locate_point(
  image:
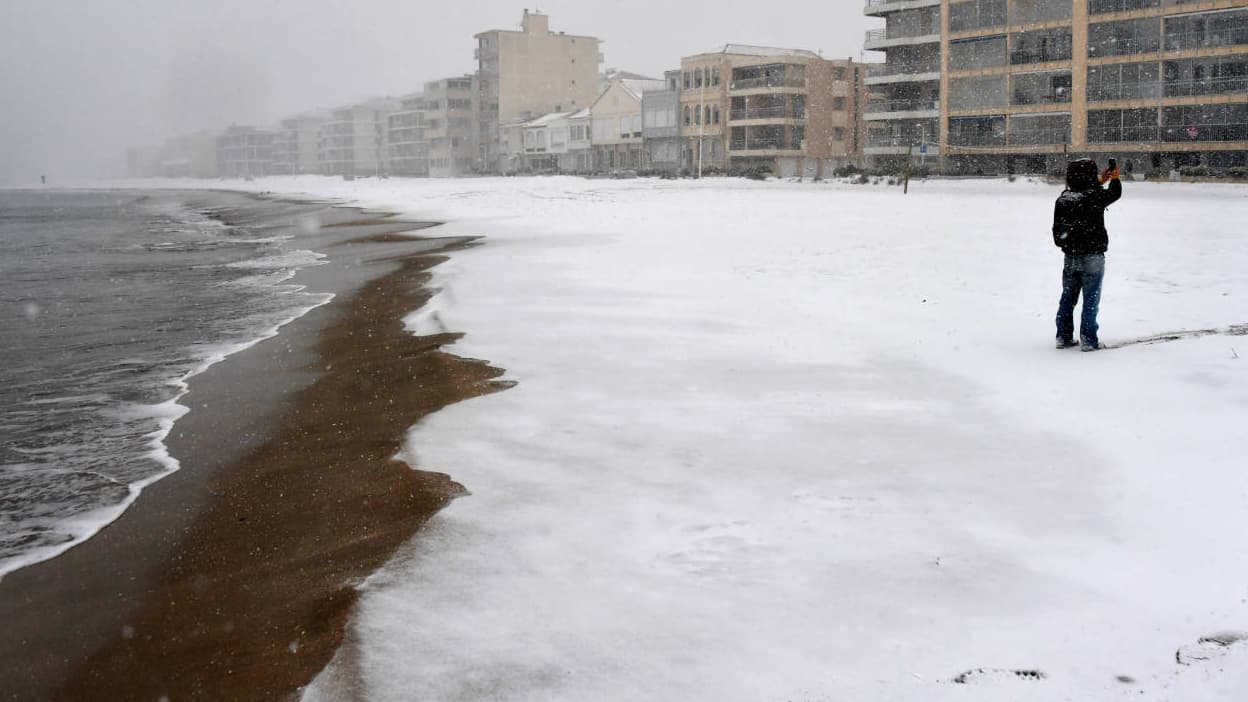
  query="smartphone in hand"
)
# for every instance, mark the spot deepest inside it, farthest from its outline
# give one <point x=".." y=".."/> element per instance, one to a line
<point x="1113" y="164"/>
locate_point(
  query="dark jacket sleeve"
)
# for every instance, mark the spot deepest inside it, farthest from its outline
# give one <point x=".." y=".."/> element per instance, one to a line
<point x="1110" y="195"/>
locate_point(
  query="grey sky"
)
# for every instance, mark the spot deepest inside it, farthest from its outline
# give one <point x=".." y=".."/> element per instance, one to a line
<point x="84" y="78"/>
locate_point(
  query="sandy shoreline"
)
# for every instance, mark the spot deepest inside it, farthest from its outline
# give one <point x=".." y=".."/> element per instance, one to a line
<point x="232" y="578"/>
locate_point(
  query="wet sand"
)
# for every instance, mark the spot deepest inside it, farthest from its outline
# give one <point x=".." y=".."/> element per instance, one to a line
<point x="233" y="577"/>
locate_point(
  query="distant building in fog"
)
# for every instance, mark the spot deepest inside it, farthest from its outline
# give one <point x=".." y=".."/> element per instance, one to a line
<point x="526" y="74"/>
<point x="190" y="156"/>
<point x="451" y="126"/>
<point x="409" y="151"/>
<point x="353" y="141"/>
<point x="295" y="145"/>
<point x="143" y="162"/>
<point x="244" y="152"/>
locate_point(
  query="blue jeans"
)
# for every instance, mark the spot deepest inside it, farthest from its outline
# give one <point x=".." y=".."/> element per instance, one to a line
<point x="1080" y="273"/>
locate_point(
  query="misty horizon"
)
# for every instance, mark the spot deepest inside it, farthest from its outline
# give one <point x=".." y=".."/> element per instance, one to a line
<point x="91" y="81"/>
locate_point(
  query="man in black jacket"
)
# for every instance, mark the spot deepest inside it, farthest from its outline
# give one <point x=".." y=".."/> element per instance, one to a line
<point x="1079" y="230"/>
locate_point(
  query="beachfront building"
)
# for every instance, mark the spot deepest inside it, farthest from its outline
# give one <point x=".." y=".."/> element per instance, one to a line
<point x="994" y="86"/>
<point x="405" y="137"/>
<point x="143" y="162"/>
<point x="788" y="112"/>
<point x="245" y="152"/>
<point x="353" y="141"/>
<point x="451" y="126"/>
<point x="528" y="73"/>
<point x="190" y="156"/>
<point x="296" y="144"/>
<point x="616" y="120"/>
<point x="660" y="126"/>
<point x="545" y="141"/>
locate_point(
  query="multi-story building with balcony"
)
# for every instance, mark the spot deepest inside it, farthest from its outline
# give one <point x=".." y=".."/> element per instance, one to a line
<point x="785" y="111"/>
<point x="1021" y="85"/>
<point x="353" y="141"/>
<point x="528" y="73"/>
<point x="190" y="155"/>
<point x="296" y="144"/>
<point x="451" y="126"/>
<point x="405" y="137"/>
<point x="245" y="152"/>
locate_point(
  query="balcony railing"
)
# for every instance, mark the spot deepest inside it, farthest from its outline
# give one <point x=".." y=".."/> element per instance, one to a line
<point x="915" y="140"/>
<point x="768" y="82"/>
<point x="1207" y="39"/>
<point x="1040" y="137"/>
<point x="875" y="36"/>
<point x="760" y="145"/>
<point x="779" y="111"/>
<point x="904" y="105"/>
<point x="1210" y="86"/>
<point x="1025" y="56"/>
<point x="902" y="69"/>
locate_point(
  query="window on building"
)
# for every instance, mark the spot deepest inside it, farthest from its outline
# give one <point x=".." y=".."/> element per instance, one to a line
<point x="976" y="14"/>
<point x="708" y="115"/>
<point x="716" y="114"/>
<point x="1029" y="11"/>
<point x="697" y="77"/>
<point x="838" y="103"/>
<point x="715" y="75"/>
<point x="977" y="131"/>
<point x="686" y="115"/>
<point x="1116" y="126"/>
<point x="838" y="134"/>
<point x="1040" y="88"/>
<point x="697" y="115"/>
<point x="686" y="77"/>
<point x="976" y="92"/>
<point x="1209" y="30"/>
<point x="1123" y="81"/>
<point x="980" y="52"/>
<point x="838" y="73"/>
<point x="796" y="137"/>
<point x="1040" y="129"/>
<point x="1206" y="76"/>
<point x="1205" y="123"/>
<point x="1040" y="46"/>
<point x="1125" y="37"/>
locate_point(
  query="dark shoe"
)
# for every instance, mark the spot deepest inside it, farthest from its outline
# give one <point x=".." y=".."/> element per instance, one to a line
<point x="1090" y="346"/>
<point x="1066" y="343"/>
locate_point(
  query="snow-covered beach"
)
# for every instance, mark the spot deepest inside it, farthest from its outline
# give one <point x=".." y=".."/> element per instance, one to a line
<point x="794" y="441"/>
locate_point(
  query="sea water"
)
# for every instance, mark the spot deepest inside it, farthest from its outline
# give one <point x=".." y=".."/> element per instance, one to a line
<point x="110" y="301"/>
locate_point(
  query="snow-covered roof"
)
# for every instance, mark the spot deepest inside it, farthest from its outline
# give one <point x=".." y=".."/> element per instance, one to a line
<point x="750" y="50"/>
<point x="636" y="87"/>
<point x="547" y="119"/>
<point x="580" y="114"/>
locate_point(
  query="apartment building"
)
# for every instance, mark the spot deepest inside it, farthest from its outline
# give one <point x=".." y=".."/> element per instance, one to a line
<point x="993" y="86"/>
<point x="451" y="126"/>
<point x="660" y="124"/>
<point x="296" y="144"/>
<point x="245" y="152"/>
<point x="190" y="156"/>
<point x="528" y="73"/>
<point x="353" y="141"/>
<point x="784" y="111"/>
<point x="405" y="137"/>
<point x="616" y="119"/>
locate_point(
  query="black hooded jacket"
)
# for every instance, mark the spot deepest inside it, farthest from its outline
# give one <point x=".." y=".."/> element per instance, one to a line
<point x="1079" y="218"/>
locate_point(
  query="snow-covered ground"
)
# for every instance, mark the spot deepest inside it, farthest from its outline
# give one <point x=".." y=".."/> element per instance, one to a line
<point x="778" y="441"/>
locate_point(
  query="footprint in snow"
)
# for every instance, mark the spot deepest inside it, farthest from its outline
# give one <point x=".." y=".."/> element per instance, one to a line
<point x="1210" y="647"/>
<point x="992" y="674"/>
